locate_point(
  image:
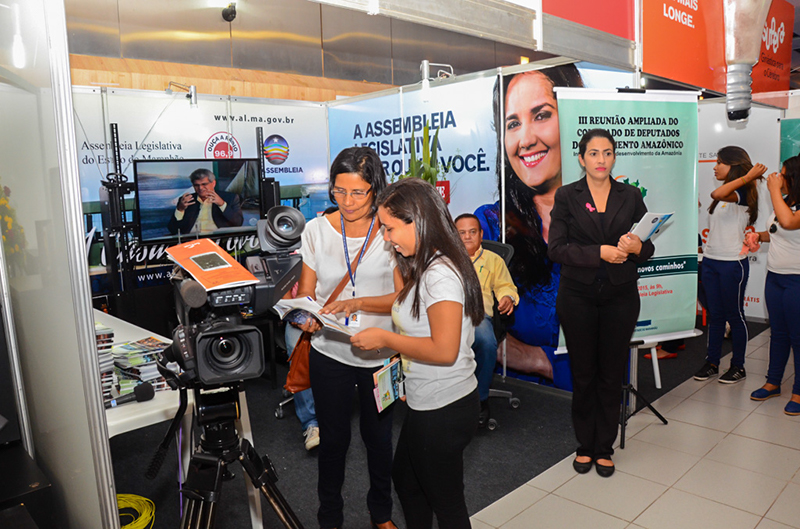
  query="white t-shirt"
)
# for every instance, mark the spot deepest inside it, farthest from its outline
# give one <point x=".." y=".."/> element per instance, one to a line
<point x="430" y="387"/>
<point x="784" y="249"/>
<point x="323" y="252"/>
<point x="726" y="230"/>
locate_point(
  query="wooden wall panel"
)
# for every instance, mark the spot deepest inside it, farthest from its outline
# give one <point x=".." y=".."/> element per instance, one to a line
<point x="154" y="75"/>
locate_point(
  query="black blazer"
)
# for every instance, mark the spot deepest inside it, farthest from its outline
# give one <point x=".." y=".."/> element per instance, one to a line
<point x="576" y="233"/>
<point x="231" y="217"/>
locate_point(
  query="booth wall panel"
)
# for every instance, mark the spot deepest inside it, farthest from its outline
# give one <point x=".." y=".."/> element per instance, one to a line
<point x="93" y="27"/>
<point x="356" y="46"/>
<point x="412" y="43"/>
<point x="187" y="31"/>
<point x="278" y="35"/>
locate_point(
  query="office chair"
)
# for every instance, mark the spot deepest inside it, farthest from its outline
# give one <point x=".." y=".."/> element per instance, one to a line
<point x="500" y="323"/>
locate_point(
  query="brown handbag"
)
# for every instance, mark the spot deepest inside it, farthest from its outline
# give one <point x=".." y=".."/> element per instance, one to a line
<point x="298" y="378"/>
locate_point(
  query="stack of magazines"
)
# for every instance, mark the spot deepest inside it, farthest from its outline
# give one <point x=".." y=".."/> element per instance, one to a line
<point x="105" y="340"/>
<point x="135" y="362"/>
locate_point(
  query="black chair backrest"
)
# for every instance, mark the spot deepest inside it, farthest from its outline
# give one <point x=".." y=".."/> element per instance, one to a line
<point x="506" y="251"/>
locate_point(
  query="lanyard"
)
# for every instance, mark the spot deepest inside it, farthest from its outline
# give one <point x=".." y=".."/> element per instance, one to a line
<point x="479" y="256"/>
<point x="350" y="271"/>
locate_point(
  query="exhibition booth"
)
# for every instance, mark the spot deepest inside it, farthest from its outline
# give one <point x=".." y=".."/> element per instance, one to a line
<point x="93" y="174"/>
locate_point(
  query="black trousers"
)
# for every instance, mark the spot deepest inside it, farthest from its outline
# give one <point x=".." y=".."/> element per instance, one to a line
<point x="333" y="384"/>
<point x="598" y="321"/>
<point x="428" y="467"/>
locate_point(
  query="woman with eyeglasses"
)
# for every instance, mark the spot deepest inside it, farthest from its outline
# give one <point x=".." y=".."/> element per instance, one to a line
<point x="725" y="264"/>
<point x="782" y="289"/>
<point x="349" y="243"/>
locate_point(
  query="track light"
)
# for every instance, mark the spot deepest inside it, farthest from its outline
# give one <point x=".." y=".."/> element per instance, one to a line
<point x="191" y="96"/>
<point x="229" y="13"/>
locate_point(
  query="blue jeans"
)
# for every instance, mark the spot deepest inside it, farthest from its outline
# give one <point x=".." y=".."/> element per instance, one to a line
<point x="304" y="400"/>
<point x="485" y="349"/>
<point x="724" y="283"/>
<point x="782" y="295"/>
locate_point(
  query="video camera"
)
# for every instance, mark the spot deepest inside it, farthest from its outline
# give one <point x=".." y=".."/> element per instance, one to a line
<point x="211" y="344"/>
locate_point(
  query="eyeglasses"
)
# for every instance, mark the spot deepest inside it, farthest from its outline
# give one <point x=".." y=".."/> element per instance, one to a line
<point x="774" y="227"/>
<point x="358" y="194"/>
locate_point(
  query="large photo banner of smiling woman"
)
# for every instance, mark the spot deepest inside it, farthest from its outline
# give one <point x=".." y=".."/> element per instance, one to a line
<point x="528" y="174"/>
<point x="656" y="151"/>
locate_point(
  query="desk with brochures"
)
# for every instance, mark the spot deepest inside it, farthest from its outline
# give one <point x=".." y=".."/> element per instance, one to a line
<point x="163" y="407"/>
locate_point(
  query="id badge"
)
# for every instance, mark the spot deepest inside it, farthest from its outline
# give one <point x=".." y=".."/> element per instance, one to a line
<point x="354" y="320"/>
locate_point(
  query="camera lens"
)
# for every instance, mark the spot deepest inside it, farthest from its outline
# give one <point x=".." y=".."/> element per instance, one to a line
<point x="226" y="352"/>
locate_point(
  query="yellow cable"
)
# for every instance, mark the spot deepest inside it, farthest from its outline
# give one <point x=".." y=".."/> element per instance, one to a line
<point x="144" y="507"/>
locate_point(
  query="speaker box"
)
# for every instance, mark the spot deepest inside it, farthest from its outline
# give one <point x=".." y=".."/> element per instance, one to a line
<point x="24" y="483"/>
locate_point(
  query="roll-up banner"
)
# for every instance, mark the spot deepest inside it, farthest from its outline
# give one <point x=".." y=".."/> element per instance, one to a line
<point x="462" y="114"/>
<point x="656" y="135"/>
<point x="761" y="139"/>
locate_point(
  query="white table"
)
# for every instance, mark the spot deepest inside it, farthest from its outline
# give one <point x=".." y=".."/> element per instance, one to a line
<point x="163" y="407"/>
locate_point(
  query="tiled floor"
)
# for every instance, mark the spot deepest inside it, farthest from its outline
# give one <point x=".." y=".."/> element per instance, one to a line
<point x="723" y="461"/>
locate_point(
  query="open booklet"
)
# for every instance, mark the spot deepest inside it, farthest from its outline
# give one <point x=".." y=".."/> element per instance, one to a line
<point x="649" y="224"/>
<point x="288" y="309"/>
<point x="389" y="385"/>
<point x="210" y="265"/>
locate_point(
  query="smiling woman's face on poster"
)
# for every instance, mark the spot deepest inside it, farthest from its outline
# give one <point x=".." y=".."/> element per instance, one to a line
<point x="531" y="130"/>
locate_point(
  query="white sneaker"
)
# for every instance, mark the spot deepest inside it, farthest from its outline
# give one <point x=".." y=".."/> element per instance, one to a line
<point x="312" y="437"/>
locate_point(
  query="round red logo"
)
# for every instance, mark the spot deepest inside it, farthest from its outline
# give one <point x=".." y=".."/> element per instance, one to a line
<point x="222" y="145"/>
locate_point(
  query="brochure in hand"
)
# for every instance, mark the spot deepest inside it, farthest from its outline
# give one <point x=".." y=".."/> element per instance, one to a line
<point x="298" y="310"/>
<point x="210" y="265"/>
<point x="649" y="225"/>
<point x="389" y="385"/>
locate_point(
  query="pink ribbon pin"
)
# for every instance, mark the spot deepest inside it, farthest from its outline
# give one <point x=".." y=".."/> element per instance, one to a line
<point x="590" y="208"/>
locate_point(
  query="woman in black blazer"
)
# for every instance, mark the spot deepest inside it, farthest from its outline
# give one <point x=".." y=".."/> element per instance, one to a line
<point x="598" y="298"/>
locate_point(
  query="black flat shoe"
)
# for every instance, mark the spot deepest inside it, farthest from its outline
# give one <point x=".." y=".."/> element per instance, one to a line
<point x="582" y="468"/>
<point x="603" y="470"/>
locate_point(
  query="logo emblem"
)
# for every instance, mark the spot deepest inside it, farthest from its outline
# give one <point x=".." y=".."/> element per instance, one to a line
<point x="222" y="145"/>
<point x="276" y="149"/>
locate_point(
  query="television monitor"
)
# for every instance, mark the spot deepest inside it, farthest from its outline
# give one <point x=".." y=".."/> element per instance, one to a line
<point x="196" y="198"/>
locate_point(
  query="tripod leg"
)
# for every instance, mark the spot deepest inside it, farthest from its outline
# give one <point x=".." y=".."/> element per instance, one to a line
<point x="650" y="406"/>
<point x="623" y="414"/>
<point x="262" y="475"/>
<point x="202" y="490"/>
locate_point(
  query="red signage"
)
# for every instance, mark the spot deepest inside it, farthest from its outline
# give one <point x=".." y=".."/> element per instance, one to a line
<point x="611" y="16"/>
<point x="773" y="70"/>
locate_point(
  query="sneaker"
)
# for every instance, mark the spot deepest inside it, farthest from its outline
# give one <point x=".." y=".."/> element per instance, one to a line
<point x="707" y="371"/>
<point x="733" y="375"/>
<point x="312" y="437"/>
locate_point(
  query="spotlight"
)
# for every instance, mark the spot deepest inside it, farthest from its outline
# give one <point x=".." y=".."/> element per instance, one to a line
<point x="229" y="13"/>
<point x="191" y="96"/>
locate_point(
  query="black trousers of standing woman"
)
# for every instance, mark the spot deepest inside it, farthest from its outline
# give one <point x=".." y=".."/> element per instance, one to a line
<point x="429" y="464"/>
<point x="333" y="384"/>
<point x="598" y="321"/>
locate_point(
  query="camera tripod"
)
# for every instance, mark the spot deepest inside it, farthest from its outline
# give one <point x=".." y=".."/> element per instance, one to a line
<point x="220" y="445"/>
<point x="628" y="389"/>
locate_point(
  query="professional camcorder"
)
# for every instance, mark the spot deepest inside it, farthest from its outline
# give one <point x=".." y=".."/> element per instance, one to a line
<point x="212" y="345"/>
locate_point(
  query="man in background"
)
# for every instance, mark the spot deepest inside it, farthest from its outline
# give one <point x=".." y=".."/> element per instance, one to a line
<point x="206" y="209"/>
<point x="495" y="282"/>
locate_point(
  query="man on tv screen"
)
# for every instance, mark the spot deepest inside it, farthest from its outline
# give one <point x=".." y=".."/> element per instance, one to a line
<point x="206" y="209"/>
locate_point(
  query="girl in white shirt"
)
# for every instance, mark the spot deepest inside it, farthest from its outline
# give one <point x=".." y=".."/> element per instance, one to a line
<point x="436" y="313"/>
<point x="782" y="289"/>
<point x="725" y="266"/>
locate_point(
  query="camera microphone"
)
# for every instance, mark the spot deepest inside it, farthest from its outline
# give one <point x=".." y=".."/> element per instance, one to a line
<point x="193" y="293"/>
<point x="141" y="393"/>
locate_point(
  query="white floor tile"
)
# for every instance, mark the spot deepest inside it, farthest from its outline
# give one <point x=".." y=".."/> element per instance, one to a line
<point x="708" y="415"/>
<point x="636" y="424"/>
<point x="654" y="463"/>
<point x="766" y="523"/>
<point x="554" y="512"/>
<point x="510" y="506"/>
<point x="622" y="495"/>
<point x="759" y="340"/>
<point x="664" y="404"/>
<point x="759" y="353"/>
<point x="555" y="476"/>
<point x="726" y="395"/>
<point x="774" y="430"/>
<point x="771" y="460"/>
<point x="681" y="436"/>
<point x="736" y="487"/>
<point x="787" y="508"/>
<point x="477" y="524"/>
<point x="756" y="367"/>
<point x="688" y="388"/>
<point x="679" y="510"/>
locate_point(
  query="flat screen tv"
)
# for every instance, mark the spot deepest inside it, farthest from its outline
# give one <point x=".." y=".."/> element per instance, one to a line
<point x="196" y="198"/>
